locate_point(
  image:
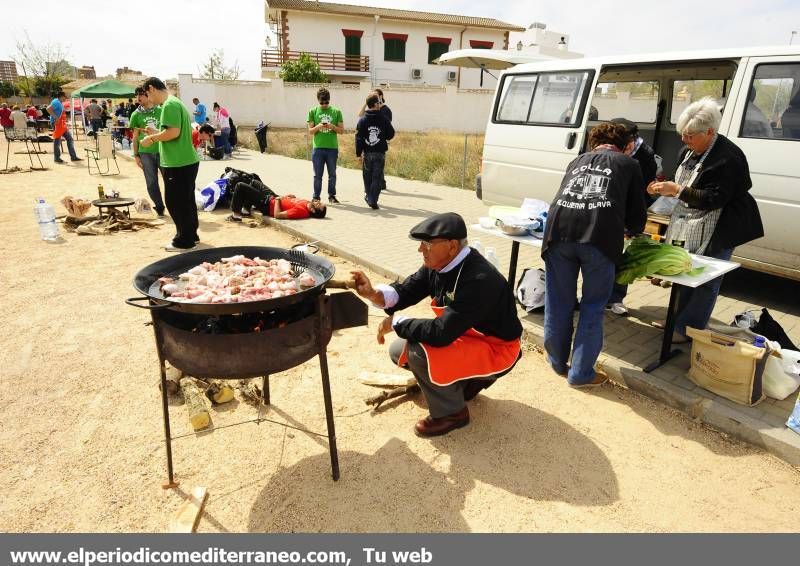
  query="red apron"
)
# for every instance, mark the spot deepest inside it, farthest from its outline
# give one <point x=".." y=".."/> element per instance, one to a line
<point x="60" y="126"/>
<point x="469" y="356"/>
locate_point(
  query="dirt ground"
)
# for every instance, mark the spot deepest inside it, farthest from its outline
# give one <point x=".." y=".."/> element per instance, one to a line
<point x="81" y="436"/>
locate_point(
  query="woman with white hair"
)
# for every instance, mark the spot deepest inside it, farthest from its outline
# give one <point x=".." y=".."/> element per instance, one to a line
<point x="712" y="183"/>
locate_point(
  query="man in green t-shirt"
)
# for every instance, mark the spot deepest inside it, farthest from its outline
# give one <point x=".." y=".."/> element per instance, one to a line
<point x="325" y="124"/>
<point x="147" y="115"/>
<point x="178" y="162"/>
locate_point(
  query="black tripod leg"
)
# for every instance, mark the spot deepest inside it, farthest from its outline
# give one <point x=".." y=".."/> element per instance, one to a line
<point x="265" y="389"/>
<point x="326" y="391"/>
<point x="170" y="483"/>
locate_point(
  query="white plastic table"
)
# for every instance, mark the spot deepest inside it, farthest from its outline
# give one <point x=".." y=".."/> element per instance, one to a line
<point x="713" y="268"/>
<point x="517" y="240"/>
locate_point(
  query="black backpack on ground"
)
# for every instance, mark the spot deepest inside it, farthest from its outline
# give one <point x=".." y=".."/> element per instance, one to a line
<point x="233" y="138"/>
<point x="235" y="176"/>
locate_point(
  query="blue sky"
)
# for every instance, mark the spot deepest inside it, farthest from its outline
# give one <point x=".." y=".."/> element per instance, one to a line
<point x="178" y="38"/>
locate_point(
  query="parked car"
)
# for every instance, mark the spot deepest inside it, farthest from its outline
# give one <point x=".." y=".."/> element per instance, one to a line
<point x="542" y="113"/>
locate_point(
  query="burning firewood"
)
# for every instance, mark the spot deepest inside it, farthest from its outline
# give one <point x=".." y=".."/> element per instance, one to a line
<point x="195" y="404"/>
<point x="250" y="391"/>
<point x="219" y="392"/>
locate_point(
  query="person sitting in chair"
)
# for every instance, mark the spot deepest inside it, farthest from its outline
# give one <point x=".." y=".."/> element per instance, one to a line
<point x="256" y="194"/>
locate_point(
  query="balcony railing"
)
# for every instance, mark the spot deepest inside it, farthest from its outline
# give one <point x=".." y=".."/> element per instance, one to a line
<point x="326" y="61"/>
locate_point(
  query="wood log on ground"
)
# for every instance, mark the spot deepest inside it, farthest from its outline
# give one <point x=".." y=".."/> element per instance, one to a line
<point x="250" y="391"/>
<point x="195" y="405"/>
<point x="219" y="392"/>
<point x="174" y="376"/>
<point x="378" y="399"/>
<point x="187" y="517"/>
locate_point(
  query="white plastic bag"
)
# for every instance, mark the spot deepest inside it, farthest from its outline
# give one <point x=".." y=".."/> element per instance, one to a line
<point x="663" y="205"/>
<point x="533" y="207"/>
<point x="143" y="206"/>
<point x="531" y="288"/>
<point x="207" y="197"/>
<point x="791" y="362"/>
<point x="794" y="419"/>
<point x="776" y="382"/>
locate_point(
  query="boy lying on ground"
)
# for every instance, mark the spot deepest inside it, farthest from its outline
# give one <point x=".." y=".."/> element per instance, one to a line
<point x="256" y="194"/>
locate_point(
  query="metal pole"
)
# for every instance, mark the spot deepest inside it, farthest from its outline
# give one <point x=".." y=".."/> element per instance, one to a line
<point x="791" y="37"/>
<point x="322" y="314"/>
<point x="464" y="166"/>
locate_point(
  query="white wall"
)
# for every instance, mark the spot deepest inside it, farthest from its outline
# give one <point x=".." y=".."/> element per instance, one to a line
<point x="323" y="33"/>
<point x="286" y="105"/>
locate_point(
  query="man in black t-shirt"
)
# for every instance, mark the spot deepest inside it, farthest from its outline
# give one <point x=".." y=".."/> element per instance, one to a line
<point x="600" y="197"/>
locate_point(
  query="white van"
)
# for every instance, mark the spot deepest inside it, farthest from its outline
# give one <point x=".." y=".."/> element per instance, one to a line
<point x="542" y="113"/>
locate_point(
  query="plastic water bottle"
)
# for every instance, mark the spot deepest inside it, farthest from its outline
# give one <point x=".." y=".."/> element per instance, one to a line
<point x="477" y="246"/>
<point x="679" y="231"/>
<point x="46" y="217"/>
<point x="760" y="342"/>
<point x="491" y="257"/>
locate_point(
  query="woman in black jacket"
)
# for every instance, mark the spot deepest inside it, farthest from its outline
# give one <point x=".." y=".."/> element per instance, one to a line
<point x="712" y="184"/>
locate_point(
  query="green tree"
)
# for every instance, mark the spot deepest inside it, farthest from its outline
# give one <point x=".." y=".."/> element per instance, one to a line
<point x="303" y="70"/>
<point x="7" y="89"/>
<point x="215" y="68"/>
<point x="43" y="65"/>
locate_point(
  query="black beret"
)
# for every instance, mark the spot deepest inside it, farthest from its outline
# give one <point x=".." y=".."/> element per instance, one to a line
<point x="448" y="225"/>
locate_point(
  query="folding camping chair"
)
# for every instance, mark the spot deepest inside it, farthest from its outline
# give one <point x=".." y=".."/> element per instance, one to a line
<point x="104" y="149"/>
<point x="27" y="136"/>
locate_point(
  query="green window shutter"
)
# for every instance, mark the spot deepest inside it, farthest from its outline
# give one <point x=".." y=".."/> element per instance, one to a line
<point x="394" y="50"/>
<point x="352" y="45"/>
<point x="436" y="50"/>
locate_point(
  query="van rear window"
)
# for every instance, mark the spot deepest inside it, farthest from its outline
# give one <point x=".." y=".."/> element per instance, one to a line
<point x="543" y="98"/>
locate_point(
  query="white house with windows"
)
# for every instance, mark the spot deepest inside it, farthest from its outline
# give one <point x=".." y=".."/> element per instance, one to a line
<point x="387" y="46"/>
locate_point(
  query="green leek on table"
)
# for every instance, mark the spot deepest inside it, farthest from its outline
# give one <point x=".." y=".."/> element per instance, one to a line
<point x="644" y="257"/>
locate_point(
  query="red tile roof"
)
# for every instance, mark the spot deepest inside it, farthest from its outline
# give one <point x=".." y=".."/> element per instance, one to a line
<point x="391" y="14"/>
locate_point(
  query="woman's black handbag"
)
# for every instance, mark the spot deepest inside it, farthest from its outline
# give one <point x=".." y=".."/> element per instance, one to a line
<point x="216" y="152"/>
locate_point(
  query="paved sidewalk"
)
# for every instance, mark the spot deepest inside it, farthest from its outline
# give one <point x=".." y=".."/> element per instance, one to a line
<point x="378" y="239"/>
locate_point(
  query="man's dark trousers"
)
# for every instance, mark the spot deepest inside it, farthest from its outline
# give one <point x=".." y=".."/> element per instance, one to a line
<point x="373" y="175"/>
<point x="179" y="198"/>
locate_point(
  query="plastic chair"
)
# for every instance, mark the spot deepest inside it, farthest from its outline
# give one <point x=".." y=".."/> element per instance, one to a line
<point x="103" y="150"/>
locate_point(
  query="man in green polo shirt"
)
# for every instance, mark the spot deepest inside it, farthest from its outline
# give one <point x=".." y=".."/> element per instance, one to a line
<point x="178" y="163"/>
<point x="147" y="115"/>
<point x="325" y="124"/>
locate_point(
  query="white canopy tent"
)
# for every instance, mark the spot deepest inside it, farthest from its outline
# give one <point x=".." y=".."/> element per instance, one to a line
<point x="488" y="59"/>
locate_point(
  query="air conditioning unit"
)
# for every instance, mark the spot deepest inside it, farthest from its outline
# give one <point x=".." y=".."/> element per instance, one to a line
<point x="416" y="73"/>
<point x="452" y="76"/>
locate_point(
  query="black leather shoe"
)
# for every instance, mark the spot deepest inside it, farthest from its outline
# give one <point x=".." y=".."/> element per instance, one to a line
<point x="333" y="200"/>
<point x="437" y="427"/>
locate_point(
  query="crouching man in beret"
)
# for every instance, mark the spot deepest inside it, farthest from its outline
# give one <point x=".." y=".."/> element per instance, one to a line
<point x="474" y="337"/>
